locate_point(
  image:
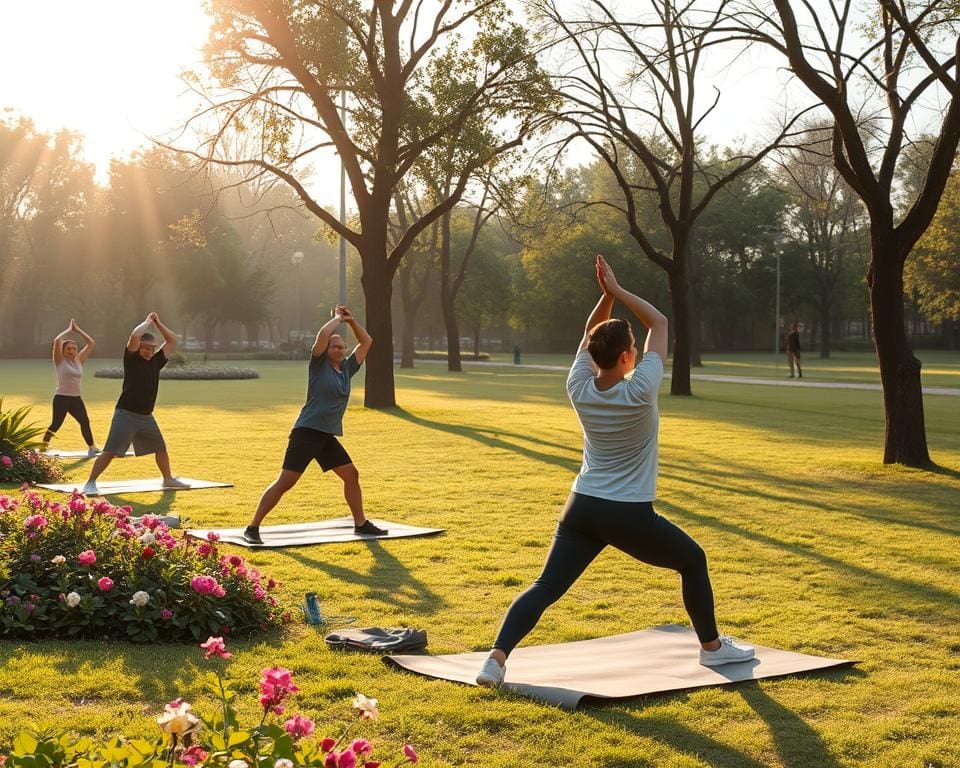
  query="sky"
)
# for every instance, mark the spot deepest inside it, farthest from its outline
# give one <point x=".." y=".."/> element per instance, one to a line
<point x="109" y="69"/>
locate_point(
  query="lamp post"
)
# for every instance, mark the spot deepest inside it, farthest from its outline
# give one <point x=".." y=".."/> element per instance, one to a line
<point x="296" y="257"/>
<point x="776" y="320"/>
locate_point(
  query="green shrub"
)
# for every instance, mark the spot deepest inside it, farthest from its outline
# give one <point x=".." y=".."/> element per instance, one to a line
<point x="16" y="436"/>
<point x="85" y="568"/>
<point x="29" y="467"/>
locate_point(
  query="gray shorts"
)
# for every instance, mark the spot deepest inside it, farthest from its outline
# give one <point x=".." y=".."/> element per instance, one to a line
<point x="140" y="429"/>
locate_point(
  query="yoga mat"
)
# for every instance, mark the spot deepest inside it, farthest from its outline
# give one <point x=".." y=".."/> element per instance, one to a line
<point x="324" y="532"/>
<point x="59" y="454"/>
<point x="639" y="663"/>
<point x="111" y="487"/>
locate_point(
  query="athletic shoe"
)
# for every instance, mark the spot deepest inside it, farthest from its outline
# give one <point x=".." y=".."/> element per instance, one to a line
<point x="731" y="651"/>
<point x="251" y="535"/>
<point x="369" y="529"/>
<point x="491" y="673"/>
<point x="93" y="450"/>
<point x="90" y="488"/>
<point x="174" y="482"/>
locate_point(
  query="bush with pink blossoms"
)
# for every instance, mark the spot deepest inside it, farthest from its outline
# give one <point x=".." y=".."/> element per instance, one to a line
<point x="28" y="466"/>
<point x="85" y="568"/>
<point x="279" y="740"/>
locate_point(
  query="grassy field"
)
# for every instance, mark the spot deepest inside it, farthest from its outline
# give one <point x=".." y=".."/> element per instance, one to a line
<point x="814" y="547"/>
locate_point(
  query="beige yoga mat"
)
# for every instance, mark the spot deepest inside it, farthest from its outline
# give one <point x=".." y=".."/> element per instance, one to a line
<point x="111" y="487"/>
<point x="324" y="532"/>
<point x="640" y="663"/>
<point x="61" y="454"/>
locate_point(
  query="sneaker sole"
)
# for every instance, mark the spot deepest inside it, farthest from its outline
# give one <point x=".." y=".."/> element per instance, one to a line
<point x="488" y="682"/>
<point x="725" y="662"/>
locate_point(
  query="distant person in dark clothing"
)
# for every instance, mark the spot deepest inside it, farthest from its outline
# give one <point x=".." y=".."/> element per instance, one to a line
<point x="315" y="432"/>
<point x="133" y="421"/>
<point x="516" y="354"/>
<point x="793" y="350"/>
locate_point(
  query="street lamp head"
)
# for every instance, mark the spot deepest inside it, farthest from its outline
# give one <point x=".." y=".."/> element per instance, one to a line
<point x="296" y="257"/>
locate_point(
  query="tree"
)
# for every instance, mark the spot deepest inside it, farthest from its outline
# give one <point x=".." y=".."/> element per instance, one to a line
<point x="414" y="79"/>
<point x="877" y="76"/>
<point x="415" y="272"/>
<point x="488" y="288"/>
<point x="825" y="216"/>
<point x="645" y="122"/>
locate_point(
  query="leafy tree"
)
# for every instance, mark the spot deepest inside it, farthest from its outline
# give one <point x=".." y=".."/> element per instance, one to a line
<point x="877" y="75"/>
<point x="414" y="79"/>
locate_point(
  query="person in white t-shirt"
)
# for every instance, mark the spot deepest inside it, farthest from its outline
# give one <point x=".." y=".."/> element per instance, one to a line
<point x="68" y="360"/>
<point x="615" y="399"/>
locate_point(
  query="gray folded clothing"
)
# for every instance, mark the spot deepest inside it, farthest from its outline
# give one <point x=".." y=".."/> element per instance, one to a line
<point x="379" y="640"/>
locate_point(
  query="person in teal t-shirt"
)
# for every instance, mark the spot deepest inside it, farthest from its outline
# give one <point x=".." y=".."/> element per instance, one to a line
<point x="314" y="434"/>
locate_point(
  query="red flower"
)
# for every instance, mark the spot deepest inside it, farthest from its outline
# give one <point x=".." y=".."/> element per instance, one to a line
<point x="147" y="553"/>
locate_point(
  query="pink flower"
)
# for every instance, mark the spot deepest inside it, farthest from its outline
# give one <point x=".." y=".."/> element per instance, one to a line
<point x="206" y="585"/>
<point x="327" y="744"/>
<point x="275" y="686"/>
<point x="105" y="584"/>
<point x="410" y="752"/>
<point x="193" y="754"/>
<point x="330" y="761"/>
<point x="361" y="746"/>
<point x="166" y="614"/>
<point x="35" y="522"/>
<point x="347" y="759"/>
<point x="372" y="764"/>
<point x="236" y="560"/>
<point x="205" y="549"/>
<point x="215" y="647"/>
<point x="87" y="557"/>
<point x="6" y="461"/>
<point x="212" y="536"/>
<point x="299" y="726"/>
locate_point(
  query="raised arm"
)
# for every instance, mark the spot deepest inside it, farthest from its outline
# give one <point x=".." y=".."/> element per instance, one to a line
<point x="324" y="334"/>
<point x="88" y="342"/>
<point x="58" y="343"/>
<point x="169" y="337"/>
<point x="601" y="311"/>
<point x="133" y="343"/>
<point x="652" y="318"/>
<point x="364" y="339"/>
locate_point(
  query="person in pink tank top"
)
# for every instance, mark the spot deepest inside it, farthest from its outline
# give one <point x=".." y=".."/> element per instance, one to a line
<point x="68" y="360"/>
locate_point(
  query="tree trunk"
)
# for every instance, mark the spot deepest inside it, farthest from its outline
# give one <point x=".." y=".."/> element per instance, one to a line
<point x="696" y="360"/>
<point x="447" y="296"/>
<point x="410" y="308"/>
<point x="680" y="381"/>
<point x="377" y="284"/>
<point x="905" y="439"/>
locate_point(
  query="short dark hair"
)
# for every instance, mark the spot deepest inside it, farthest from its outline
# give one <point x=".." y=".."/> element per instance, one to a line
<point x="147" y="337"/>
<point x="609" y="340"/>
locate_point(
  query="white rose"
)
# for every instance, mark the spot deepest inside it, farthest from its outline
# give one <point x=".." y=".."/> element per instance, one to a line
<point x="58" y="560"/>
<point x="147" y="538"/>
<point x="283" y="763"/>
<point x="177" y="719"/>
<point x="140" y="599"/>
<point x="73" y="600"/>
<point x="237" y="764"/>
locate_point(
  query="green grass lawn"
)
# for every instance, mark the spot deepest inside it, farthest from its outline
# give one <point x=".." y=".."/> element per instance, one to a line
<point x="940" y="368"/>
<point x="814" y="547"/>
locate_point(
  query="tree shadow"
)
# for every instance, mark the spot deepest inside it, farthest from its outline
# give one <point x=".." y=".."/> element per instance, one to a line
<point x="389" y="581"/>
<point x="492" y="439"/>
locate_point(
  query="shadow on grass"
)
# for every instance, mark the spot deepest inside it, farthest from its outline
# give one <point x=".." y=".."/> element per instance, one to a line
<point x="797" y="744"/>
<point x="886" y="583"/>
<point x="389" y="581"/>
<point x="494" y="438"/>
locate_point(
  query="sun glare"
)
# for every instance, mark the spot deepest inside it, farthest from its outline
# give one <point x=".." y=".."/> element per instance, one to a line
<point x="108" y="69"/>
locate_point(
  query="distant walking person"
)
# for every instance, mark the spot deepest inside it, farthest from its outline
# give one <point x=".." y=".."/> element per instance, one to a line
<point x="314" y="434"/>
<point x="133" y="421"/>
<point x="68" y="360"/>
<point x="611" y="502"/>
<point x="793" y="350"/>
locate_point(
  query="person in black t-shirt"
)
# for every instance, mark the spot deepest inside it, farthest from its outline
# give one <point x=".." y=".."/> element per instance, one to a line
<point x="133" y="420"/>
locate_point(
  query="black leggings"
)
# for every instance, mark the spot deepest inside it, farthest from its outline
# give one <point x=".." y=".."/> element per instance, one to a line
<point x="586" y="526"/>
<point x="72" y="404"/>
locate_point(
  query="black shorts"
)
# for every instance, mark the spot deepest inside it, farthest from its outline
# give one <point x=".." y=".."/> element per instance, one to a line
<point x="307" y="444"/>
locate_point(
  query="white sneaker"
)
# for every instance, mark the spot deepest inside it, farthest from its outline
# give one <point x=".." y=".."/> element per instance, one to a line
<point x="90" y="488"/>
<point x="731" y="651"/>
<point x="93" y="450"/>
<point x="175" y="482"/>
<point x="491" y="673"/>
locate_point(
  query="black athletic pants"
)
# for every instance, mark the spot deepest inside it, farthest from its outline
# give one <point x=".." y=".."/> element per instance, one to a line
<point x="587" y="525"/>
<point x="72" y="404"/>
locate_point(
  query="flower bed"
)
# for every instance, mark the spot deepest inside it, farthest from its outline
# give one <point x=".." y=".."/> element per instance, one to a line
<point x="84" y="568"/>
<point x="189" y="739"/>
<point x="18" y="467"/>
<point x="187" y="372"/>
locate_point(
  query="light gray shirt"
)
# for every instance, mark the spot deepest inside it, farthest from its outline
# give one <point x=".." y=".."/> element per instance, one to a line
<point x="619" y="430"/>
<point x="69" y="374"/>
